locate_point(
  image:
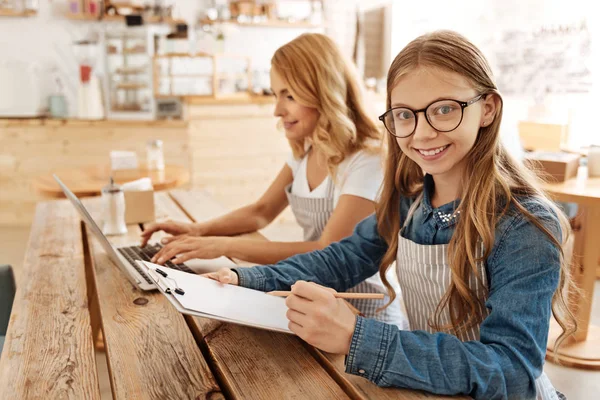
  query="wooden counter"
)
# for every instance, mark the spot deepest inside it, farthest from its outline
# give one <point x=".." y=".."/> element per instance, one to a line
<point x="232" y="148"/>
<point x="205" y="100"/>
<point x="51" y="122"/>
<point x="34" y="147"/>
<point x="236" y="151"/>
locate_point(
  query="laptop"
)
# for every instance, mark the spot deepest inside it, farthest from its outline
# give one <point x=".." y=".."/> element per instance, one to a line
<point x="125" y="257"/>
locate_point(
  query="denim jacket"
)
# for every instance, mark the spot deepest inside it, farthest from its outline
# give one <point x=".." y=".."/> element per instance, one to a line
<point x="522" y="271"/>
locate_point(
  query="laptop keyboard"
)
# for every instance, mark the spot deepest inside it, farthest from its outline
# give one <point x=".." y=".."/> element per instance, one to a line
<point x="134" y="253"/>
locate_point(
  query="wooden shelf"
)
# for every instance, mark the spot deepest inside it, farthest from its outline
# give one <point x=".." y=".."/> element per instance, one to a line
<point x="131" y="86"/>
<point x="265" y="24"/>
<point x="17" y="14"/>
<point x="126" y="107"/>
<point x="183" y="55"/>
<point x="118" y="18"/>
<point x="132" y="51"/>
<point x="126" y="52"/>
<point x="243" y="98"/>
<point x="131" y="71"/>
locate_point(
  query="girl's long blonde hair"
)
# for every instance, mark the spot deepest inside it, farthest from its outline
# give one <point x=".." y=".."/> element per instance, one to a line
<point x="320" y="77"/>
<point x="492" y="182"/>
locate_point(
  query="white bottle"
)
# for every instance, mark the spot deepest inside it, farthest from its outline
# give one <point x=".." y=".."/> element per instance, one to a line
<point x="593" y="161"/>
<point x="113" y="200"/>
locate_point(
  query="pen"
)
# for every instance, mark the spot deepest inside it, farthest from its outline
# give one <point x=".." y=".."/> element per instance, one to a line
<point x="373" y="296"/>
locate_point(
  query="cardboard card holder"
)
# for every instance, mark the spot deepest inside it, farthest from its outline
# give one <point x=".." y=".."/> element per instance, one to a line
<point x="139" y="206"/>
<point x="556" y="166"/>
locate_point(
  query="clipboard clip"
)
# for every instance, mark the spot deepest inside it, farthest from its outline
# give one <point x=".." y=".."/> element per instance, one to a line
<point x="165" y="277"/>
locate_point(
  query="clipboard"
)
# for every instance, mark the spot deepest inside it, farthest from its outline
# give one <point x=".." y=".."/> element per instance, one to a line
<point x="195" y="295"/>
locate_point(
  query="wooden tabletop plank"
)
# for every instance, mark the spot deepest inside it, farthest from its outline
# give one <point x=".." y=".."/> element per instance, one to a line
<point x="253" y="363"/>
<point x="200" y="207"/>
<point x="151" y="351"/>
<point x="49" y="351"/>
<point x="365" y="388"/>
<point x="580" y="189"/>
<point x="89" y="181"/>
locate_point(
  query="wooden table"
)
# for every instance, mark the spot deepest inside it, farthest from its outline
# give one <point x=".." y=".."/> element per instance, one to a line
<point x="70" y="290"/>
<point x="89" y="181"/>
<point x="584" y="350"/>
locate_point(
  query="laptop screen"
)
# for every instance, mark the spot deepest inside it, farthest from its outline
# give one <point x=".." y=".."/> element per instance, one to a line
<point x="89" y="221"/>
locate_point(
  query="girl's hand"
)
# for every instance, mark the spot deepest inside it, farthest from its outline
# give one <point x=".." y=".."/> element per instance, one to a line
<point x="179" y="249"/>
<point x="171" y="227"/>
<point x="319" y="318"/>
<point x="224" y="275"/>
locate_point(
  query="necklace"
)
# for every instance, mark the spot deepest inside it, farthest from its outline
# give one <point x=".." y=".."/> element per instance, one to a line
<point x="447" y="217"/>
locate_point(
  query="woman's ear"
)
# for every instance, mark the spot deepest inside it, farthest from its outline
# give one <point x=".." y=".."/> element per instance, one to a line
<point x="491" y="103"/>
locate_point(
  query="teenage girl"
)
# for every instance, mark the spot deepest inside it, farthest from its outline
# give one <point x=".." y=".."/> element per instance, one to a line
<point x="477" y="245"/>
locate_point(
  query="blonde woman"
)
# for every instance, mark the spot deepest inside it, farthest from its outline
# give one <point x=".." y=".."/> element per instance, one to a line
<point x="330" y="181"/>
<point x="476" y="244"/>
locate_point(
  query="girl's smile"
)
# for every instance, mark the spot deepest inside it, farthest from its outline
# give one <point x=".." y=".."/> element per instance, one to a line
<point x="433" y="153"/>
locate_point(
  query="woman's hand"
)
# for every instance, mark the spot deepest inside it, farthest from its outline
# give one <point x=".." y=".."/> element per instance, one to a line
<point x="224" y="275"/>
<point x="181" y="248"/>
<point x="171" y="227"/>
<point x="319" y="318"/>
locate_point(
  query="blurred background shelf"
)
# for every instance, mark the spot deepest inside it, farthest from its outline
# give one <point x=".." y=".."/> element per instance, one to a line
<point x="183" y="55"/>
<point x="268" y="23"/>
<point x="132" y="86"/>
<point x="121" y="18"/>
<point x="131" y="70"/>
<point x="129" y="76"/>
<point x="17" y="14"/>
<point x="202" y="75"/>
<point x="126" y="52"/>
<point x="126" y="107"/>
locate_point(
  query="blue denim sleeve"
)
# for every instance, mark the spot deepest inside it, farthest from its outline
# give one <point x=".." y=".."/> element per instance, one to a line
<point x="341" y="265"/>
<point x="523" y="271"/>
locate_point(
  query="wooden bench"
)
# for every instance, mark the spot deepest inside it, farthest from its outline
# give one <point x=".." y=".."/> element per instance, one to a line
<point x="70" y="290"/>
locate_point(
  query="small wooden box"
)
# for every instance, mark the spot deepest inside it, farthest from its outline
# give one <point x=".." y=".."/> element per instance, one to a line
<point x="139" y="206"/>
<point x="554" y="166"/>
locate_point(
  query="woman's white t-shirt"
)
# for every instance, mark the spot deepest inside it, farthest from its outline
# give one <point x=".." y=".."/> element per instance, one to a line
<point x="359" y="175"/>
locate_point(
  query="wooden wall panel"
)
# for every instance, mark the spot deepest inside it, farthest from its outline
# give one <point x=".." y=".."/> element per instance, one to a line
<point x="32" y="148"/>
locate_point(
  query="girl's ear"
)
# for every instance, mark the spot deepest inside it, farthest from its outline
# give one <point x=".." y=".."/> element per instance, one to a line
<point x="491" y="103"/>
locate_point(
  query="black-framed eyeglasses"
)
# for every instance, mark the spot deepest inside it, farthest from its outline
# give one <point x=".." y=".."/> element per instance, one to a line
<point x="443" y="116"/>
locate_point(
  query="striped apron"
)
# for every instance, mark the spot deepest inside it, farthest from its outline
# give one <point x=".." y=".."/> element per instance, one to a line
<point x="424" y="276"/>
<point x="312" y="215"/>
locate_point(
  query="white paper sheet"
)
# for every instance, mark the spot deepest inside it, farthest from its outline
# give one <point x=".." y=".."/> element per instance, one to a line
<point x="210" y="265"/>
<point x="224" y="302"/>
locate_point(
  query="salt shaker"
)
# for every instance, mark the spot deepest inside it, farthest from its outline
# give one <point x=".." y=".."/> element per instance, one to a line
<point x="114" y="209"/>
<point x="593" y="161"/>
<point x="154" y="155"/>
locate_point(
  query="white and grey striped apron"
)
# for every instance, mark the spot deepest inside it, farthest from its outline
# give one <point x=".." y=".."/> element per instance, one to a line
<point x="312" y="215"/>
<point x="424" y="275"/>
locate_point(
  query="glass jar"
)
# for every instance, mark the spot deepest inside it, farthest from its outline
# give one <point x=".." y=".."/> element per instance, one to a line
<point x="154" y="155"/>
<point x="593" y="161"/>
<point x="113" y="200"/>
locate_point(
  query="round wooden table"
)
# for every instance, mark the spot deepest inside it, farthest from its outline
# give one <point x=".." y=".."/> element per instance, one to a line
<point x="89" y="181"/>
<point x="583" y="350"/>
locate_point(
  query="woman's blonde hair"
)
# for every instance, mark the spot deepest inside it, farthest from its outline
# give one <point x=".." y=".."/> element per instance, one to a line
<point x="493" y="181"/>
<point x="320" y="77"/>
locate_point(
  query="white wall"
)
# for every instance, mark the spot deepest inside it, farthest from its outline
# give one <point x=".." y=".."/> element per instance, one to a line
<point x="485" y="22"/>
<point x="45" y="41"/>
